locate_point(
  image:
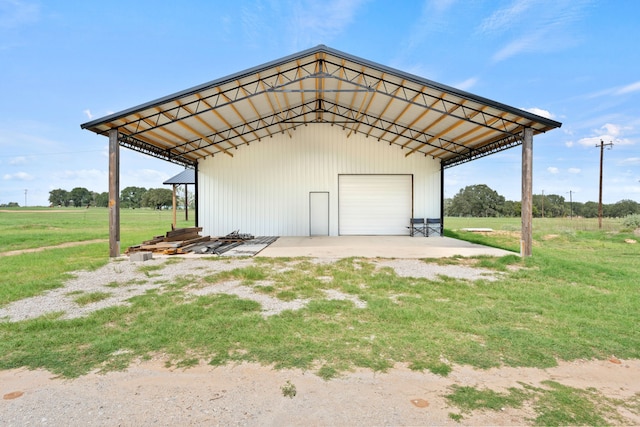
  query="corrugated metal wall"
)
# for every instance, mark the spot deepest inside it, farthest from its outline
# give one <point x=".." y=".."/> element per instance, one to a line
<point x="264" y="189"/>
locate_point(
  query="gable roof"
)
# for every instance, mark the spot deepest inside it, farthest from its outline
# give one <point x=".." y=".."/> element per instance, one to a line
<point x="321" y="85"/>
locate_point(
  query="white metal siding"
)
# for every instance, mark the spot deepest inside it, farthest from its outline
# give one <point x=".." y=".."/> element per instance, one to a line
<point x="374" y="204"/>
<point x="264" y="188"/>
<point x="318" y="214"/>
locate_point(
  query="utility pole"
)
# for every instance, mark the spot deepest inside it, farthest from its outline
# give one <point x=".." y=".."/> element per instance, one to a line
<point x="25" y="197"/>
<point x="542" y="203"/>
<point x="570" y="205"/>
<point x="602" y="145"/>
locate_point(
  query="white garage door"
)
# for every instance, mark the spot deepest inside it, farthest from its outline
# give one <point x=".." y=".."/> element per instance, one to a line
<point x="374" y="204"/>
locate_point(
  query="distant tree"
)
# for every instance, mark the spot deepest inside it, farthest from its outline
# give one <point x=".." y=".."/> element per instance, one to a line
<point x="80" y="196"/>
<point x="131" y="197"/>
<point x="157" y="198"/>
<point x="589" y="210"/>
<point x="578" y="209"/>
<point x="477" y="200"/>
<point x="554" y="206"/>
<point x="101" y="200"/>
<point x="511" y="208"/>
<point x="540" y="205"/>
<point x="59" y="197"/>
<point x="180" y="198"/>
<point x="447" y="206"/>
<point x="623" y="208"/>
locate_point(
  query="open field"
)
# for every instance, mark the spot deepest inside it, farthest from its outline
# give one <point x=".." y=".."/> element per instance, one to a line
<point x="576" y="299"/>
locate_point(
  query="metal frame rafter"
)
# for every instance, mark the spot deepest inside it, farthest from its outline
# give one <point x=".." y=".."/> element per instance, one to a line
<point x="404" y="110"/>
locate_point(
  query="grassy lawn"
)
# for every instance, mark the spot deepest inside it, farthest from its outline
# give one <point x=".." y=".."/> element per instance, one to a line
<point x="577" y="298"/>
<point x="32" y="273"/>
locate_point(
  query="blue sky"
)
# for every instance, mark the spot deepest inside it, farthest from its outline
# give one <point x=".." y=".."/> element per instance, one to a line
<point x="63" y="63"/>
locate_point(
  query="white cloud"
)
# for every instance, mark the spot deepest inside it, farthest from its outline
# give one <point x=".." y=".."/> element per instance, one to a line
<point x="21" y="160"/>
<point x="608" y="133"/>
<point x="80" y="175"/>
<point x="553" y="170"/>
<point x="545" y="29"/>
<point x="569" y="144"/>
<point x="540" y="112"/>
<point x="527" y="43"/>
<point x="502" y="19"/>
<point x="615" y="91"/>
<point x="147" y="178"/>
<point x="575" y="170"/>
<point x="467" y="84"/>
<point x="309" y="22"/>
<point x="18" y="176"/>
<point x="633" y="87"/>
<point x="591" y="141"/>
<point x="87" y="112"/>
<point x="631" y="161"/>
<point x="610" y="129"/>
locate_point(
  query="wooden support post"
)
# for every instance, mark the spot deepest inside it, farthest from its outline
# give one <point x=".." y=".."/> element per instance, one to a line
<point x="526" y="242"/>
<point x="114" y="194"/>
<point x="186" y="203"/>
<point x="175" y="206"/>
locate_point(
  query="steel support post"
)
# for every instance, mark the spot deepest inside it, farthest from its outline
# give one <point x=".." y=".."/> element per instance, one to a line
<point x="442" y="199"/>
<point x="196" y="194"/>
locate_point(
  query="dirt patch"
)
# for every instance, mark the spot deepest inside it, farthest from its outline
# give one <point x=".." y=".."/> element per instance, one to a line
<point x="147" y="393"/>
<point x="60" y="246"/>
<point x="550" y="237"/>
<point x="420" y="269"/>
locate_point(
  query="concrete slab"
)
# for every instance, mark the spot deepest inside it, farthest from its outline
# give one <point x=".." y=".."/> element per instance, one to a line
<point x="245" y="250"/>
<point x="377" y="247"/>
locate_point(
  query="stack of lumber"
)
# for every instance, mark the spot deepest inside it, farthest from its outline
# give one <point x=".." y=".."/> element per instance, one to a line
<point x="188" y="240"/>
<point x="171" y="241"/>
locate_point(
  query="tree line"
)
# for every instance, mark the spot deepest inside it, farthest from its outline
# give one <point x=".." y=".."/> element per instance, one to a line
<point x="472" y="201"/>
<point x="130" y="197"/>
<point x="482" y="201"/>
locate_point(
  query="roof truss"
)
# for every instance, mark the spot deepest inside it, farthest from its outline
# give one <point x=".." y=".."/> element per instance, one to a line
<point x="321" y="85"/>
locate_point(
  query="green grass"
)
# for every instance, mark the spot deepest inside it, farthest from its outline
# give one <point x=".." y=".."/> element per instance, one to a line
<point x="576" y="298"/>
<point x="554" y="404"/>
<point x="29" y="274"/>
<point x="28" y="228"/>
<point x="91" y="297"/>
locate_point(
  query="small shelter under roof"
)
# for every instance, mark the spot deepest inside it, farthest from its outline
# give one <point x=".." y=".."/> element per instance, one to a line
<point x="315" y="87"/>
<point x="186" y="177"/>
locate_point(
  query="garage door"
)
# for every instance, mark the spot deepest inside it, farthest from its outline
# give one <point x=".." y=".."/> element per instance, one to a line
<point x="374" y="204"/>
